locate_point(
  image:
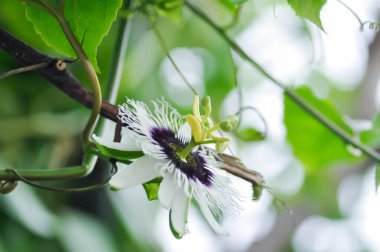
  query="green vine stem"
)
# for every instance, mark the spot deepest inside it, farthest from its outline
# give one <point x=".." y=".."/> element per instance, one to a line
<point x="25" y="69"/>
<point x="118" y="57"/>
<point x="115" y="73"/>
<point x="235" y="18"/>
<point x="237" y="87"/>
<point x="43" y="174"/>
<point x="288" y="91"/>
<point x="117" y="63"/>
<point x="166" y="50"/>
<point x="372" y="25"/>
<point x="61" y="189"/>
<point x="86" y="168"/>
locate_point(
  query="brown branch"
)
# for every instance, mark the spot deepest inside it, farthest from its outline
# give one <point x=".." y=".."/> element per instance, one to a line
<point x="66" y="82"/>
<point x="235" y="167"/>
<point x="62" y="79"/>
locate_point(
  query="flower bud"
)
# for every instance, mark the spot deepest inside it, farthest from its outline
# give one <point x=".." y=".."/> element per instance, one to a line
<point x="196" y="108"/>
<point x="232" y="120"/>
<point x="206" y="101"/>
<point x="226" y="126"/>
<point x="195" y="126"/>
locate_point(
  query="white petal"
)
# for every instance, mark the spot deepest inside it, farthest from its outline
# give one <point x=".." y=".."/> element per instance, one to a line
<point x="140" y="171"/>
<point x="116" y="146"/>
<point x="184" y="132"/>
<point x="211" y="220"/>
<point x="179" y="211"/>
<point x="166" y="191"/>
<point x="128" y="138"/>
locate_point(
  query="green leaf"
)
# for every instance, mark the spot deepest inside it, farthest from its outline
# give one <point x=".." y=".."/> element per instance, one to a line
<point x="228" y="4"/>
<point x="90" y="21"/>
<point x="312" y="143"/>
<point x="151" y="188"/>
<point x="249" y="135"/>
<point x="309" y="9"/>
<point x="119" y="154"/>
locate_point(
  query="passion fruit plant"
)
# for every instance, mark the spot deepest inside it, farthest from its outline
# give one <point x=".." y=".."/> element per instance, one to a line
<point x="175" y="157"/>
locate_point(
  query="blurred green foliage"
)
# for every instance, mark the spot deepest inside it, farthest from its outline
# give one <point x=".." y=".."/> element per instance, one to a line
<point x="42" y="129"/>
<point x="40" y="126"/>
<point x="307" y="135"/>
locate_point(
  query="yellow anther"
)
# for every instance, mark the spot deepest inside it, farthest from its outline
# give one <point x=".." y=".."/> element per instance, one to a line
<point x="204" y="135"/>
<point x="196" y="129"/>
<point x="196" y="112"/>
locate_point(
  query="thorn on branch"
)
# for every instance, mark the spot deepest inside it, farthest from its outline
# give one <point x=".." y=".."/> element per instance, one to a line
<point x="60" y="65"/>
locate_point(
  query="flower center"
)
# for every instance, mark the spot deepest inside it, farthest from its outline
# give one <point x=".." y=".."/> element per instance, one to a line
<point x="193" y="164"/>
